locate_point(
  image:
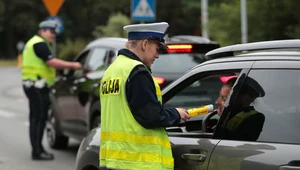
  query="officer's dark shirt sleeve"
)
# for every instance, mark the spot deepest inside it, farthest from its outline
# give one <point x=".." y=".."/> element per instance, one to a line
<point x="42" y="51"/>
<point x="142" y="99"/>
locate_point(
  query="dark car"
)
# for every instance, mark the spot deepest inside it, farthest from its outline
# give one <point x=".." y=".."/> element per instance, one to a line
<point x="75" y="104"/>
<point x="274" y="67"/>
<point x="183" y="53"/>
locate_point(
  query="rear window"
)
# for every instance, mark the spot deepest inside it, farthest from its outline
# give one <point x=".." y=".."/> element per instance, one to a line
<point x="180" y="60"/>
<point x="176" y="62"/>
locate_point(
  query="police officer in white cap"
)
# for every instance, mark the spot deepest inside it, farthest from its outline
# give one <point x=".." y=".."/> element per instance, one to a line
<point x="133" y="119"/>
<point x="38" y="75"/>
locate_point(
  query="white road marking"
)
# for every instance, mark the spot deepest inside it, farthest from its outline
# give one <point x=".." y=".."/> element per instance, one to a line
<point x="7" y="114"/>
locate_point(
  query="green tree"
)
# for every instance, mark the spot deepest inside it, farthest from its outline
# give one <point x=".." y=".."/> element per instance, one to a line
<point x="70" y="48"/>
<point x="224" y="22"/>
<point x="114" y="27"/>
<point x="273" y="20"/>
<point x="267" y="20"/>
<point x="19" y="21"/>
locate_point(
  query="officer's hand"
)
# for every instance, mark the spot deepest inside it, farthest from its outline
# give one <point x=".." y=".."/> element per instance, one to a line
<point x="76" y="66"/>
<point x="183" y="114"/>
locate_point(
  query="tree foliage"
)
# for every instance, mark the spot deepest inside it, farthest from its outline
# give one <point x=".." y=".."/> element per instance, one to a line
<point x="114" y="27"/>
<point x="267" y="20"/>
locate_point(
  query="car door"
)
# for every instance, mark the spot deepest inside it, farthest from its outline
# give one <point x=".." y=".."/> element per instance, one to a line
<point x="64" y="93"/>
<point x="278" y="144"/>
<point x="191" y="146"/>
<point x="96" y="63"/>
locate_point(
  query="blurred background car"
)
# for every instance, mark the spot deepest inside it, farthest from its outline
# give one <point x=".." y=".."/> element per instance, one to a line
<point x="183" y="53"/>
<point x="75" y="104"/>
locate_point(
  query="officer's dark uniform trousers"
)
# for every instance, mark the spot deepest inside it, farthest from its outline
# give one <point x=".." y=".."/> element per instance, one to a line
<point x="39" y="105"/>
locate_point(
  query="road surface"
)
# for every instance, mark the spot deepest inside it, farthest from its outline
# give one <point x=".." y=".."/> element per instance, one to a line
<point x="15" y="151"/>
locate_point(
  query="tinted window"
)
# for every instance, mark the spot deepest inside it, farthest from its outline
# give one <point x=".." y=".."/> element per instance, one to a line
<point x="280" y="105"/>
<point x="176" y="62"/>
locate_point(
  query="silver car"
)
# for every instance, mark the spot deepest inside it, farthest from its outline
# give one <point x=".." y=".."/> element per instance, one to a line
<point x="200" y="144"/>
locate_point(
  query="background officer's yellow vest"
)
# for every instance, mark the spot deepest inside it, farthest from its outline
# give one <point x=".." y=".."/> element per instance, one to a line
<point x="125" y="144"/>
<point x="34" y="67"/>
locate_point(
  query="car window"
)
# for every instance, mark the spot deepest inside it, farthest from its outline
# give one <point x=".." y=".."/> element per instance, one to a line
<point x="177" y="62"/>
<point x="280" y="105"/>
<point x="82" y="59"/>
<point x="199" y="91"/>
<point x="97" y="59"/>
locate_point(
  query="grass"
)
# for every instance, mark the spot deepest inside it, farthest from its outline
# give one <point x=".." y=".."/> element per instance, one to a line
<point x="8" y="63"/>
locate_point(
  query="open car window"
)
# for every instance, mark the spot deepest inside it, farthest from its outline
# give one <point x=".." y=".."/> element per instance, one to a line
<point x="196" y="91"/>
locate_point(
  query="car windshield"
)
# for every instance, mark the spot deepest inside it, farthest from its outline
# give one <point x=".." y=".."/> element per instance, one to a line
<point x="176" y="62"/>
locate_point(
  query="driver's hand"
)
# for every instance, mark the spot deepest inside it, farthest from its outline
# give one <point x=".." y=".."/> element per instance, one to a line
<point x="183" y="114"/>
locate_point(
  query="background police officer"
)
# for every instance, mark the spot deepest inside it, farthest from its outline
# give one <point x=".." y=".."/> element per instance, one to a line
<point x="38" y="75"/>
<point x="132" y="115"/>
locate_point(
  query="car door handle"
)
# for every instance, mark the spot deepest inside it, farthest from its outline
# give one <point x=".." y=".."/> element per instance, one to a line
<point x="289" y="167"/>
<point x="194" y="157"/>
<point x="293" y="165"/>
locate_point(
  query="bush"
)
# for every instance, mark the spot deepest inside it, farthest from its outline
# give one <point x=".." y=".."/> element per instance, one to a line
<point x="68" y="50"/>
<point x="114" y="27"/>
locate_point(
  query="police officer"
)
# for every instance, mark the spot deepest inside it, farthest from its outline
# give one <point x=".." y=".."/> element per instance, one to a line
<point x="132" y="115"/>
<point x="38" y="74"/>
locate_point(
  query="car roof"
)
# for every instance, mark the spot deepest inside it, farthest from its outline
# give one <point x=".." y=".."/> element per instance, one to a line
<point x="256" y="57"/>
<point x="278" y="45"/>
<point x="265" y="50"/>
<point x="110" y="42"/>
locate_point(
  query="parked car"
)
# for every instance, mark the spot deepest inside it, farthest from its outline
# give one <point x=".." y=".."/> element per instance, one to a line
<point x="275" y="66"/>
<point x="75" y="104"/>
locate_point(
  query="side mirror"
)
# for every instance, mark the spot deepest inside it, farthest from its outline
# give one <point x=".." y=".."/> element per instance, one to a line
<point x="95" y="74"/>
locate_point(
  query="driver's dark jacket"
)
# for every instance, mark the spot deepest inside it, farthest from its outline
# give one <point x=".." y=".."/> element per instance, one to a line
<point x="142" y="99"/>
<point x="249" y="129"/>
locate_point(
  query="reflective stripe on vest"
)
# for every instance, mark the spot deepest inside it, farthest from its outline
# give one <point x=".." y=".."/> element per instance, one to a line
<point x="238" y="119"/>
<point x="132" y="138"/>
<point x="136" y="157"/>
<point x="124" y="143"/>
<point x="34" y="67"/>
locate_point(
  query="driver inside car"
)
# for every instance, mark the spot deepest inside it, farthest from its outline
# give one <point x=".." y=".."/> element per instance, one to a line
<point x="242" y="121"/>
<point x="224" y="92"/>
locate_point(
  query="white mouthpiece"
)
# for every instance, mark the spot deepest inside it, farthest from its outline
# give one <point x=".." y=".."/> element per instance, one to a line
<point x="210" y="107"/>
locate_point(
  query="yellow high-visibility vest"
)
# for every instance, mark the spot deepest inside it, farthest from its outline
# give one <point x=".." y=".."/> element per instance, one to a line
<point x="34" y="67"/>
<point x="124" y="143"/>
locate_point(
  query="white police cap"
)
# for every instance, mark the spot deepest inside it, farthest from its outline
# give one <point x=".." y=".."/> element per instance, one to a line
<point x="154" y="31"/>
<point x="49" y="24"/>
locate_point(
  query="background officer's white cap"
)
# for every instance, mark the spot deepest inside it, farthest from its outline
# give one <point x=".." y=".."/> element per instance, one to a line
<point x="154" y="31"/>
<point x="49" y="24"/>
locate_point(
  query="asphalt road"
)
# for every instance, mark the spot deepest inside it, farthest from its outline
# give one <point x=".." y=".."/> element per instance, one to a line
<point x="15" y="151"/>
